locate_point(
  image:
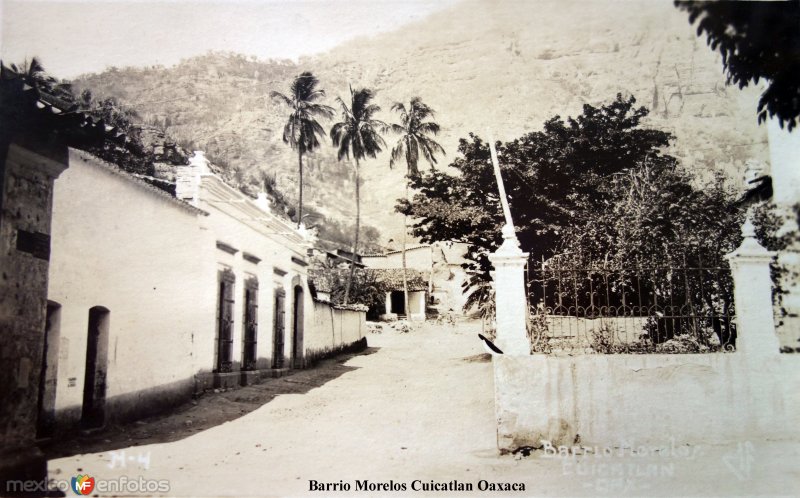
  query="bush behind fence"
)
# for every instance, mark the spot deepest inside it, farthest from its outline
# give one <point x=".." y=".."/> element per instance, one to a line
<point x="674" y="308"/>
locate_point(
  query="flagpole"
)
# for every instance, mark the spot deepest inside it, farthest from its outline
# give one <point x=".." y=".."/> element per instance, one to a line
<point x="500" y="185"/>
<point x="511" y="307"/>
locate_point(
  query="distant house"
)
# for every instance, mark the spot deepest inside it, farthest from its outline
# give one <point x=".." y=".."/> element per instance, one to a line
<point x="418" y="292"/>
<point x="435" y="279"/>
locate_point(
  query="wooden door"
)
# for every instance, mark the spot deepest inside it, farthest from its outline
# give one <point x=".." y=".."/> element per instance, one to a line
<point x="277" y="350"/>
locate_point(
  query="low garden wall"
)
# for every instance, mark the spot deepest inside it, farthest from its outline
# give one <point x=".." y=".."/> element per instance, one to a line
<point x="567" y="396"/>
<point x="652" y="399"/>
<point x="336" y="329"/>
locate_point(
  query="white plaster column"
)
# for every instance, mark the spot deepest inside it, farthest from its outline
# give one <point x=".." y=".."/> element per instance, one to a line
<point x="752" y="290"/>
<point x="188" y="178"/>
<point x="784" y="154"/>
<point x="511" y="306"/>
<point x="388" y="302"/>
<point x="262" y="201"/>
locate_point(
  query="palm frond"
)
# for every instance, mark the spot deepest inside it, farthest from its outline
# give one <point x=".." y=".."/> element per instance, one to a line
<point x="325" y="111"/>
<point x="397" y="153"/>
<point x="429" y="127"/>
<point x="414" y="130"/>
<point x="283" y="98"/>
<point x="399" y="107"/>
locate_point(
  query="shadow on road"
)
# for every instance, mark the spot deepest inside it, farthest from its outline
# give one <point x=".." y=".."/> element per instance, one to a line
<point x="209" y="410"/>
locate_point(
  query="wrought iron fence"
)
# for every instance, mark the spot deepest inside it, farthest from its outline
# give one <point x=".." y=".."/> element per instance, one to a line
<point x="685" y="308"/>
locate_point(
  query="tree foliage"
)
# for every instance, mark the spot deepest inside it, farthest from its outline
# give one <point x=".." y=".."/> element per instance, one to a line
<point x="552" y="179"/>
<point x="656" y="217"/>
<point x="657" y="250"/>
<point x="595" y="189"/>
<point x="132" y="155"/>
<point x="365" y="289"/>
<point x="757" y="40"/>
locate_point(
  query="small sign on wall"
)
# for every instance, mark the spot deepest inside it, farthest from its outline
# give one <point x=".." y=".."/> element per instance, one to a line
<point x="34" y="243"/>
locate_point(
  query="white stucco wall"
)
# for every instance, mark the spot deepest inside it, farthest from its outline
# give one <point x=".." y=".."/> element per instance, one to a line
<point x="416" y="305"/>
<point x="417" y="258"/>
<point x="618" y="400"/>
<point x="154" y="263"/>
<point x="118" y="244"/>
<point x="334" y="327"/>
<point x="275" y="249"/>
<point x="453" y="296"/>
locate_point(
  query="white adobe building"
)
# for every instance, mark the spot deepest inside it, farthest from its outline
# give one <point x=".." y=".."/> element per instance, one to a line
<point x="153" y="298"/>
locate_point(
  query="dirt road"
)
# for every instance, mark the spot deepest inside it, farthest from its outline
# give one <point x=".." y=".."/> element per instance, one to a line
<point x="417" y="409"/>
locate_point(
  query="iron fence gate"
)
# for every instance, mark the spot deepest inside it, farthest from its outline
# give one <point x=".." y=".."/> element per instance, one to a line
<point x="665" y="309"/>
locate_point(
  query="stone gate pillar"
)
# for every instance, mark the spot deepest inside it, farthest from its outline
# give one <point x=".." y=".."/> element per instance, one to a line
<point x="26" y="196"/>
<point x="752" y="292"/>
<point x="511" y="304"/>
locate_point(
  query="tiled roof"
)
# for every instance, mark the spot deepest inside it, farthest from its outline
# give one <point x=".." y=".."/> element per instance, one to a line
<point x="51" y="104"/>
<point x="391" y="278"/>
<point x="142" y="183"/>
<point x="408" y="249"/>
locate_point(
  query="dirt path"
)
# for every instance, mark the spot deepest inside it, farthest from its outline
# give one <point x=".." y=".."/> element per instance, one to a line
<point x="209" y="410"/>
<point x="420" y="407"/>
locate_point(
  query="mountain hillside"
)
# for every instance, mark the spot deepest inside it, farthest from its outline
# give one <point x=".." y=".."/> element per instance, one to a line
<point x="483" y="65"/>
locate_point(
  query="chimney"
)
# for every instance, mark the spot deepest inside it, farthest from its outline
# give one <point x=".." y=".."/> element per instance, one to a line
<point x="263" y="202"/>
<point x="187" y="178"/>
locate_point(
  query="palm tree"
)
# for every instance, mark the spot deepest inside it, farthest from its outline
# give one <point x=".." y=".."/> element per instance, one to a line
<point x="360" y="135"/>
<point x="302" y="128"/>
<point x="414" y="131"/>
<point x="33" y="73"/>
<point x="21" y="87"/>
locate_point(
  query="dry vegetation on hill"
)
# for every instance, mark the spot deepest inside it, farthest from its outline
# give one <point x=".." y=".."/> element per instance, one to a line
<point x="504" y="66"/>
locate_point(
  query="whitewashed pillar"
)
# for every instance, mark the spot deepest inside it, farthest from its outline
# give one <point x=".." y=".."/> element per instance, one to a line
<point x="187" y="178"/>
<point x="388" y="302"/>
<point x="511" y="306"/>
<point x="784" y="154"/>
<point x="752" y="290"/>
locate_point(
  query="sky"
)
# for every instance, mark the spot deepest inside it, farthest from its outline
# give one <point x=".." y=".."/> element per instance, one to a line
<point x="77" y="37"/>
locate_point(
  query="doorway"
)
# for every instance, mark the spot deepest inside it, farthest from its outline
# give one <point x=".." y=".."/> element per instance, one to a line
<point x="398" y="303"/>
<point x="250" y="336"/>
<point x="277" y="343"/>
<point x="297" y="328"/>
<point x="45" y="422"/>
<point x="94" y="385"/>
